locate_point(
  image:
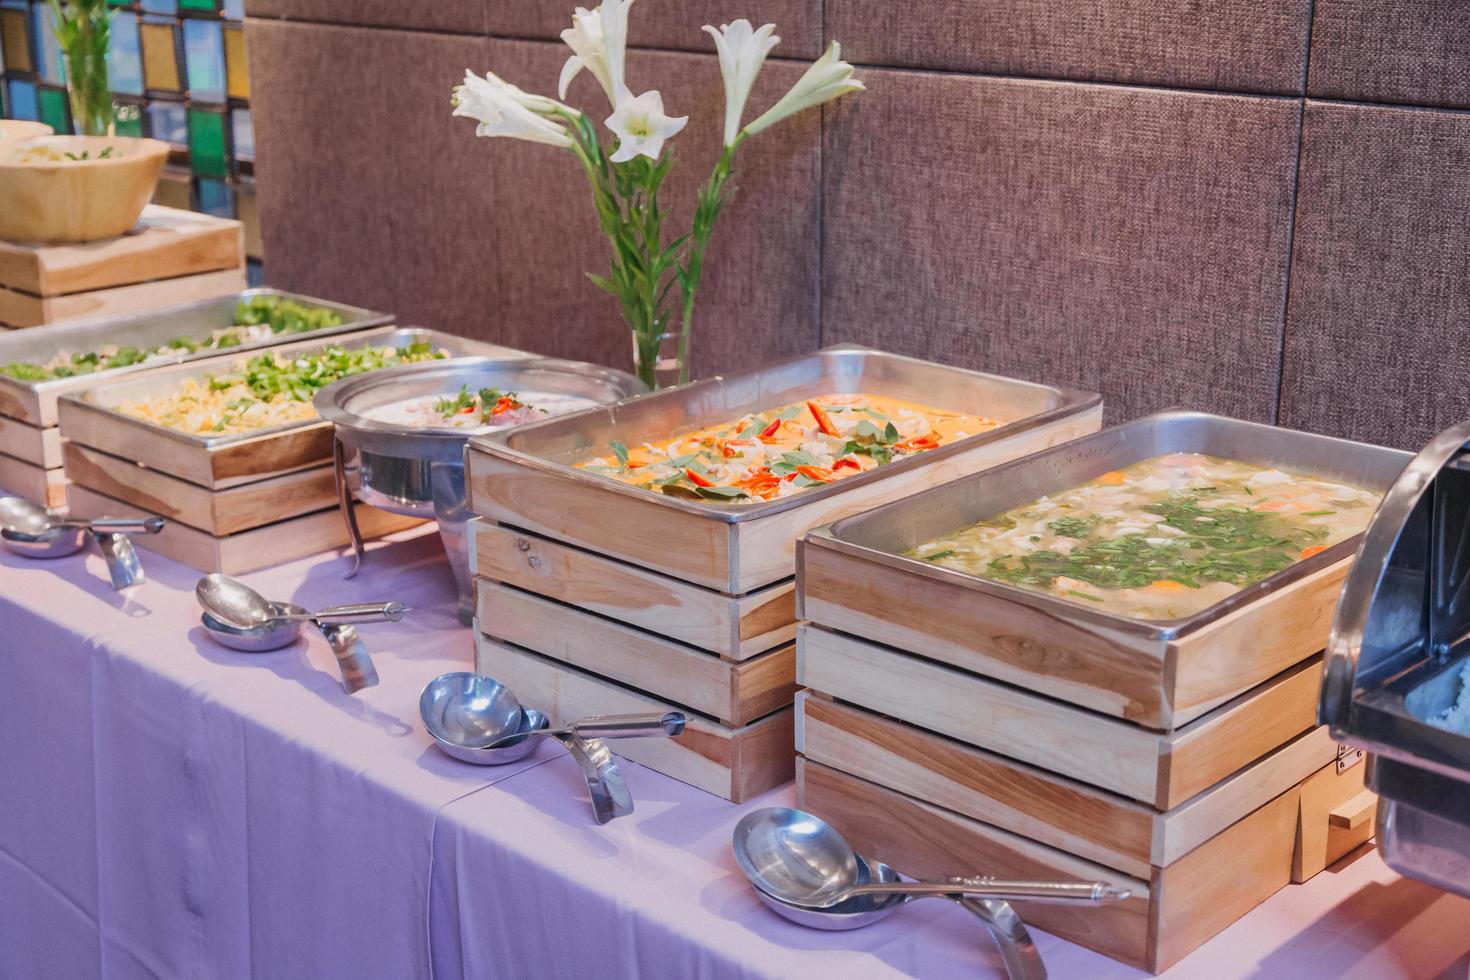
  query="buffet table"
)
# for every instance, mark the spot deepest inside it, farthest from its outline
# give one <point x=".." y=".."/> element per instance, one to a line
<point x="170" y="808"/>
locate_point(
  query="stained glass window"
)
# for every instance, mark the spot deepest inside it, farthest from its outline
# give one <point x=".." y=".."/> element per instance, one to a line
<point x="178" y="72"/>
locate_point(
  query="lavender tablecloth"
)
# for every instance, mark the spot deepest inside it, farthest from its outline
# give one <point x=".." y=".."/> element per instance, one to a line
<point x="171" y="809"/>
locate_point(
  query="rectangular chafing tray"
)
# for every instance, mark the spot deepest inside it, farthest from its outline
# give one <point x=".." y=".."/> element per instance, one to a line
<point x="526" y="476"/>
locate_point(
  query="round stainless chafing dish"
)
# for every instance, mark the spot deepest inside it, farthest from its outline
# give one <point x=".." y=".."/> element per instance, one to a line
<point x="419" y="471"/>
<point x="1399" y="646"/>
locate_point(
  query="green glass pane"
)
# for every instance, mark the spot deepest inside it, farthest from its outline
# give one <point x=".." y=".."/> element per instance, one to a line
<point x="129" y="120"/>
<point x="207" y="143"/>
<point x="208" y="5"/>
<point x="119" y="3"/>
<point x="53" y="109"/>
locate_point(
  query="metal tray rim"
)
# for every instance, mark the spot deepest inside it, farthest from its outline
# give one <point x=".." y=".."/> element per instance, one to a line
<point x="367" y="319"/>
<point x="83" y="399"/>
<point x="1163" y="630"/>
<point x="1072" y="402"/>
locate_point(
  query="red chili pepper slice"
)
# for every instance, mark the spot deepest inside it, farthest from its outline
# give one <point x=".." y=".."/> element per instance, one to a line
<point x="918" y="443"/>
<point x="696" y="479"/>
<point x="771" y="429"/>
<point x="847" y="462"/>
<point x="824" y="421"/>
<point x="819" y="473"/>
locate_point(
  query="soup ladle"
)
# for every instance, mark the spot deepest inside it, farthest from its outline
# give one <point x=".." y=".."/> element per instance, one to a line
<point x="30" y="530"/>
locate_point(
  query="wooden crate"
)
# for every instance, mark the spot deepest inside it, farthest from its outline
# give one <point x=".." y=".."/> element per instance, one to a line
<point x="172" y="256"/>
<point x="736" y="763"/>
<point x="36" y="483"/>
<point x="1173" y="910"/>
<point x="247" y="551"/>
<point x="1040" y="805"/>
<point x="1337" y="814"/>
<point x="1162" y="769"/>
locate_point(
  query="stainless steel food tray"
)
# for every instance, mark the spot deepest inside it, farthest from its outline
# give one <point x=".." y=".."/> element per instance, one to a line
<point x="527" y="477"/>
<point x="90" y="417"/>
<point x="35" y="401"/>
<point x="882" y="535"/>
<point x="557" y="444"/>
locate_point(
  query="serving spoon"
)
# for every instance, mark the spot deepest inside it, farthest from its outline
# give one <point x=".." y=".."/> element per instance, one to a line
<point x="800" y="859"/>
<point x="30" y="530"/>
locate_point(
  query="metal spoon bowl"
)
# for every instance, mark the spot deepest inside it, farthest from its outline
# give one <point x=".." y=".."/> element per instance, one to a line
<point x="273" y="635"/>
<point x="510" y="750"/>
<point x="470" y="711"/>
<point x="793" y="856"/>
<point x="856" y="912"/>
<point x="54" y="542"/>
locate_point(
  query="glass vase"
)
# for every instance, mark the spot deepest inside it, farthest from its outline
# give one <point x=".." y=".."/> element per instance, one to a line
<point x="659" y="360"/>
<point x="88" y="90"/>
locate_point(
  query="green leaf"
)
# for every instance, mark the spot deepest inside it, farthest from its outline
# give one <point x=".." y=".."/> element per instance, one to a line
<point x="621" y="452"/>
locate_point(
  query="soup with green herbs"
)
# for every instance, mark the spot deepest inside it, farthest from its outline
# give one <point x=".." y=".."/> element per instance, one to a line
<point x="1161" y="539"/>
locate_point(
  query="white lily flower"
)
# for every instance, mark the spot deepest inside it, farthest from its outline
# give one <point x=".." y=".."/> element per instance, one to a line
<point x="742" y="51"/>
<point x="589" y="51"/>
<point x="828" y="78"/>
<point x="641" y="126"/>
<point x="614" y="15"/>
<point x="502" y="109"/>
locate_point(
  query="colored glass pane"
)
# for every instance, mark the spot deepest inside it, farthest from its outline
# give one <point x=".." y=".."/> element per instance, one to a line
<point x="215" y="197"/>
<point x="243" y="133"/>
<point x="207" y="143"/>
<point x="13" y="30"/>
<point x="208" y="5"/>
<point x="129" y="119"/>
<point x="23" y="100"/>
<point x="53" y="109"/>
<point x="160" y="6"/>
<point x="236" y="69"/>
<point x="49" y="63"/>
<point x="204" y="60"/>
<point x="125" y="55"/>
<point x="234" y="9"/>
<point x="160" y="57"/>
<point x="167" y="122"/>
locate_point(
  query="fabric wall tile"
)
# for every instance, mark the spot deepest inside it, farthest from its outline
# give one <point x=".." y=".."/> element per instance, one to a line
<point x="491" y="238"/>
<point x="1244" y="45"/>
<point x="1415" y="53"/>
<point x="1122" y="240"/>
<point x="660" y="24"/>
<point x="1378" y="330"/>
<point x="448" y="16"/>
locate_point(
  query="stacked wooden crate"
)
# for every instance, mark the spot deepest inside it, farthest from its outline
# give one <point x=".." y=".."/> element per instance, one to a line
<point x="172" y="256"/>
<point x="235" y="503"/>
<point x="596" y="597"/>
<point x="954" y="727"/>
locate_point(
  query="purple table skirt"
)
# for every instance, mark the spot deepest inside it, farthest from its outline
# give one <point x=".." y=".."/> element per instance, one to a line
<point x="169" y="808"/>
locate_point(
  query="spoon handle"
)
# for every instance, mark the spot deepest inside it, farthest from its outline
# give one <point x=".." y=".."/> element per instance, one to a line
<point x="353" y="659"/>
<point x="362" y="612"/>
<point x="629" y="726"/>
<point x="121" y="525"/>
<point x="1041" y="892"/>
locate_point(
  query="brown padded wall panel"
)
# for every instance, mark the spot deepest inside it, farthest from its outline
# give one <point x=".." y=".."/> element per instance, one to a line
<point x="1128" y="241"/>
<point x="448" y="16"/>
<point x="670" y="23"/>
<point x="1378" y="330"/>
<point x="1243" y="45"/>
<point x="371" y="190"/>
<point x="1416" y="52"/>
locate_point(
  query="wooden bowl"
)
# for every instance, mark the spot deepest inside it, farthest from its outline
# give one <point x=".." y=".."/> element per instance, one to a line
<point x="77" y="200"/>
<point x="13" y="130"/>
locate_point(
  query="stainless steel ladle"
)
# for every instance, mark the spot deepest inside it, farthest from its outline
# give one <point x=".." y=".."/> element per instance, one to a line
<point x="30" y="530"/>
<point x="254" y="623"/>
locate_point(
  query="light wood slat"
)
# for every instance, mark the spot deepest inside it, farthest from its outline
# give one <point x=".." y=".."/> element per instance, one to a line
<point x="36" y="483"/>
<point x="738" y="627"/>
<point x="736" y="693"/>
<point x="1318" y="842"/>
<point x="733" y="763"/>
<point x="1153" y="767"/>
<point x="927" y="841"/>
<point x="248" y="551"/>
<point x="220" y="512"/>
<point x="19" y="309"/>
<point x="29" y="443"/>
<point x="167" y="242"/>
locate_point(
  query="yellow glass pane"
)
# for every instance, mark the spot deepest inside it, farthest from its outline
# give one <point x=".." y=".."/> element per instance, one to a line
<point x="17" y="51"/>
<point x="235" y="68"/>
<point x="160" y="58"/>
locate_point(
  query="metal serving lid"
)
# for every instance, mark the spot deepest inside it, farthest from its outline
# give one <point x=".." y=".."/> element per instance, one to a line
<point x="1399" y="643"/>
